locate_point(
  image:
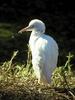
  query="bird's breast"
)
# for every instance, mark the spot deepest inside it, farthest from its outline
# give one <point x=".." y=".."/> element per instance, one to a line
<point x="32" y="41"/>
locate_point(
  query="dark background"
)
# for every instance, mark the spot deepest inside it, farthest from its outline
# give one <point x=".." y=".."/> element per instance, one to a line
<point x="59" y="17"/>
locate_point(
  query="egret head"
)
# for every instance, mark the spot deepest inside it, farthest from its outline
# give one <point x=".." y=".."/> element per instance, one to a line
<point x="34" y="25"/>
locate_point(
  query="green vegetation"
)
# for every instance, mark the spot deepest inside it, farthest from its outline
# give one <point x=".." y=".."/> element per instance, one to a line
<point x="21" y="82"/>
<point x="6" y="30"/>
<point x="63" y="76"/>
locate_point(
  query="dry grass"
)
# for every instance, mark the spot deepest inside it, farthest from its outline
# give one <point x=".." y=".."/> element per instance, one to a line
<point x="19" y="83"/>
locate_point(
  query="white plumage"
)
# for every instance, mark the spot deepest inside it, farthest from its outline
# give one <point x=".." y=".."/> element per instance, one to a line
<point x="44" y="51"/>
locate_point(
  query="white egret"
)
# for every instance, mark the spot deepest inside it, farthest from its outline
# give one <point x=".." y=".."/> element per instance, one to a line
<point x="44" y="51"/>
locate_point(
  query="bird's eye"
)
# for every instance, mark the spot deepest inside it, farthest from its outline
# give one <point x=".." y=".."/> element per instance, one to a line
<point x="32" y="26"/>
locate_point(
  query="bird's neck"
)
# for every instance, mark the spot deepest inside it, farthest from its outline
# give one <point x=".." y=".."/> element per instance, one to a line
<point x="36" y="33"/>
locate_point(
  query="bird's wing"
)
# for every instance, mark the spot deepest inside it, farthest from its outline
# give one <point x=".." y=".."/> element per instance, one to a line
<point x="46" y="50"/>
<point x="45" y="55"/>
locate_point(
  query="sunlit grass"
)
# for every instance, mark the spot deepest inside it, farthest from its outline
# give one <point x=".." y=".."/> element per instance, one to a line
<point x="64" y="76"/>
<point x="16" y="77"/>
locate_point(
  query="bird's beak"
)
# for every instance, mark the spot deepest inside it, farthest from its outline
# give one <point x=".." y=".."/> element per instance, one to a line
<point x="28" y="28"/>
